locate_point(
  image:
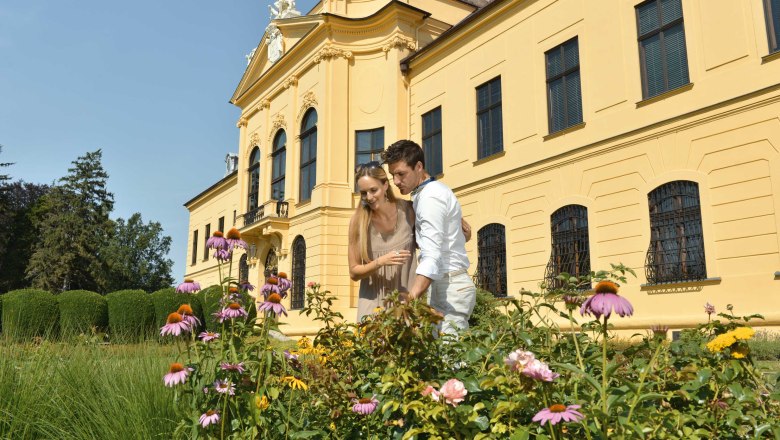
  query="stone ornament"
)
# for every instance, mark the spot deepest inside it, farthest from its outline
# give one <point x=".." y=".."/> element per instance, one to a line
<point x="275" y="43"/>
<point x="399" y="41"/>
<point x="282" y="9"/>
<point x="329" y="51"/>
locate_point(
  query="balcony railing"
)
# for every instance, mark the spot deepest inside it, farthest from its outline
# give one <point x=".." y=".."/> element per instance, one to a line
<point x="278" y="210"/>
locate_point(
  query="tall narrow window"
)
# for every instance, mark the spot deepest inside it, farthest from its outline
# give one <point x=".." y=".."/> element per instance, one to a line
<point x="490" y="132"/>
<point x="491" y="260"/>
<point x="221" y="224"/>
<point x="194" y="247"/>
<point x="570" y="245"/>
<point x="772" y="13"/>
<point x="308" y="154"/>
<point x="431" y="141"/>
<point x="676" y="251"/>
<point x="369" y="144"/>
<point x="298" y="273"/>
<point x="564" y="95"/>
<point x="243" y="269"/>
<point x="205" y="240"/>
<point x="662" y="50"/>
<point x="279" y="161"/>
<point x="271" y="263"/>
<point x="254" y="181"/>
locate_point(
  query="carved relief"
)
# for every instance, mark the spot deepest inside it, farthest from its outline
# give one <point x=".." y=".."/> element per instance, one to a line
<point x="309" y="100"/>
<point x="329" y="51"/>
<point x="278" y="122"/>
<point x="242" y="121"/>
<point x="291" y="81"/>
<point x="399" y="41"/>
<point x="254" y="140"/>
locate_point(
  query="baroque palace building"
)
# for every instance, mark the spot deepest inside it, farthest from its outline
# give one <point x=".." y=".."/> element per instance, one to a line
<point x="575" y="134"/>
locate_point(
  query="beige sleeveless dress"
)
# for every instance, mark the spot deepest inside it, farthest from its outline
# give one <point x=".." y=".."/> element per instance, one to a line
<point x="386" y="279"/>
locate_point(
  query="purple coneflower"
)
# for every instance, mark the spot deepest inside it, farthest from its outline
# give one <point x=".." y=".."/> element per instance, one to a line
<point x="234" y="239"/>
<point x="188" y="286"/>
<point x="234" y="310"/>
<point x="709" y="308"/>
<point x="365" y="406"/>
<point x="226" y="366"/>
<point x="273" y="304"/>
<point x="244" y="285"/>
<point x="284" y="283"/>
<point x="558" y="412"/>
<point x="605" y="300"/>
<point x="659" y="331"/>
<point x="177" y="374"/>
<point x="572" y="301"/>
<point x="217" y="241"/>
<point x="223" y="255"/>
<point x="208" y="336"/>
<point x="224" y="386"/>
<point x="271" y="286"/>
<point x="175" y="325"/>
<point x="209" y="417"/>
<point x="188" y="316"/>
<point x="290" y="356"/>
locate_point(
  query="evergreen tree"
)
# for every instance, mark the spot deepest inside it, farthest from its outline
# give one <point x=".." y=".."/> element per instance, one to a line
<point x="136" y="256"/>
<point x="73" y="226"/>
<point x="17" y="232"/>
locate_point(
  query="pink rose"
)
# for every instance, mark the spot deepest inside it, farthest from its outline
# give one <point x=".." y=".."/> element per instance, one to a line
<point x="518" y="359"/>
<point x="429" y="390"/>
<point x="453" y="392"/>
<point x="538" y="370"/>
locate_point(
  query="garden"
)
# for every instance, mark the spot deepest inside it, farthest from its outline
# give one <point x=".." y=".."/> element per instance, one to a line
<point x="192" y="363"/>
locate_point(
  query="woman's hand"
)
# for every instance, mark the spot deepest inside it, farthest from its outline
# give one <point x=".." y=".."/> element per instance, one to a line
<point x="466" y="228"/>
<point x="394" y="258"/>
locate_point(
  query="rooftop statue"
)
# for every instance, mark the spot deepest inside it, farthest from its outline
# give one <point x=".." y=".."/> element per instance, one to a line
<point x="283" y="9"/>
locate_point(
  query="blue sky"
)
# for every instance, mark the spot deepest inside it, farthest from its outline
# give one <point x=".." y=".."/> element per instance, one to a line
<point x="147" y="81"/>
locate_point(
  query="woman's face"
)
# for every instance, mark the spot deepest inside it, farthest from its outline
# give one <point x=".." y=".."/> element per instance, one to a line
<point x="372" y="191"/>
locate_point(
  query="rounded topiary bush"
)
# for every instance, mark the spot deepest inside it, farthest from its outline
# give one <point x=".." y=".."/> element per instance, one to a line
<point x="167" y="301"/>
<point x="28" y="313"/>
<point x="82" y="312"/>
<point x="130" y="315"/>
<point x="209" y="299"/>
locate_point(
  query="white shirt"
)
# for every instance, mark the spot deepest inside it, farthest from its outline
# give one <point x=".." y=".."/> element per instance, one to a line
<point x="438" y="231"/>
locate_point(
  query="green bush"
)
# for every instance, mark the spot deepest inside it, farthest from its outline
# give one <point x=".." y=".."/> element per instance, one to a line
<point x="28" y="313"/>
<point x="486" y="310"/>
<point x="167" y="301"/>
<point x="765" y="346"/>
<point x="81" y="312"/>
<point x="130" y="315"/>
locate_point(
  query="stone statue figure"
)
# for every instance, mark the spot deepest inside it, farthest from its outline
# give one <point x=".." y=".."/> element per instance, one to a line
<point x="283" y="9"/>
<point x="249" y="56"/>
<point x="275" y="43"/>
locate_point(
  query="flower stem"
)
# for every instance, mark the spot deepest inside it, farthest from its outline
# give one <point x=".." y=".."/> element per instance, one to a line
<point x="642" y="378"/>
<point x="604" y="380"/>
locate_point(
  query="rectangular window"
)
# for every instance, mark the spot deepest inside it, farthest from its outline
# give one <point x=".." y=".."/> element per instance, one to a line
<point x="221" y="225"/>
<point x="772" y="12"/>
<point x="662" y="51"/>
<point x="490" y="135"/>
<point x="431" y="141"/>
<point x="369" y="144"/>
<point x="194" y="247"/>
<point x="205" y="239"/>
<point x="564" y="95"/>
<point x="234" y="218"/>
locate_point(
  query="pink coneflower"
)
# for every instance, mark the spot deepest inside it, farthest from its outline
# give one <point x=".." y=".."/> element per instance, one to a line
<point x="453" y="391"/>
<point x="365" y="406"/>
<point x="709" y="308"/>
<point x="209" y="417"/>
<point x="234" y="239"/>
<point x="216" y="241"/>
<point x="271" y="286"/>
<point x="188" y="286"/>
<point x="234" y="310"/>
<point x="244" y="285"/>
<point x="290" y="356"/>
<point x="208" y="336"/>
<point x="224" y="386"/>
<point x="572" y="301"/>
<point x="284" y="283"/>
<point x="175" y="325"/>
<point x="177" y="374"/>
<point x="659" y="331"/>
<point x="226" y="366"/>
<point x="605" y="300"/>
<point x="273" y="304"/>
<point x="558" y="412"/>
<point x="538" y="370"/>
<point x="223" y="255"/>
<point x="188" y="316"/>
<point x="518" y="359"/>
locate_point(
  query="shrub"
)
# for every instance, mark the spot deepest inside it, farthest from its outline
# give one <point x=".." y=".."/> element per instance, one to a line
<point x="81" y="312"/>
<point x="209" y="300"/>
<point x="130" y="315"/>
<point x="486" y="310"/>
<point x="167" y="301"/>
<point x="765" y="346"/>
<point x="29" y="313"/>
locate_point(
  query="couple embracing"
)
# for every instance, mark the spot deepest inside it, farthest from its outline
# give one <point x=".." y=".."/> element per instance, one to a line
<point x="385" y="231"/>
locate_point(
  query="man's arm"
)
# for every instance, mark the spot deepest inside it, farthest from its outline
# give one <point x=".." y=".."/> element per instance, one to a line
<point x="431" y="214"/>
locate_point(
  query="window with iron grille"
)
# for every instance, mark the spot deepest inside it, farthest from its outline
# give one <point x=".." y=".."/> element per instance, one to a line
<point x="194" y="247"/>
<point x="298" y="273"/>
<point x="662" y="51"/>
<point x="308" y="154"/>
<point x="271" y="263"/>
<point x="205" y="240"/>
<point x="564" y="94"/>
<point x="254" y="180"/>
<point x="243" y="269"/>
<point x="570" y="245"/>
<point x="772" y="14"/>
<point x="491" y="261"/>
<point x="490" y="132"/>
<point x="278" y="163"/>
<point x="431" y="141"/>
<point x="676" y="251"/>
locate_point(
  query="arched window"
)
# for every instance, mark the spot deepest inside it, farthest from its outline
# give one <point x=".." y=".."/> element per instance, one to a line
<point x="254" y="180"/>
<point x="271" y="263"/>
<point x="243" y="269"/>
<point x="676" y="251"/>
<point x="570" y="245"/>
<point x="298" y="273"/>
<point x="491" y="262"/>
<point x="279" y="160"/>
<point x="308" y="154"/>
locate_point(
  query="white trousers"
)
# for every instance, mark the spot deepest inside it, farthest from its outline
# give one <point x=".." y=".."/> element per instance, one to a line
<point x="454" y="297"/>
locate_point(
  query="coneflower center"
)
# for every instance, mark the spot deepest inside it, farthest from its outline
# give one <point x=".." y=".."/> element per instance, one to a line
<point x="234" y="306"/>
<point x="557" y="408"/>
<point x="282" y="275"/>
<point x="275" y="298"/>
<point x="233" y="234"/>
<point x="364" y="400"/>
<point x="210" y="412"/>
<point x="606" y="287"/>
<point x="176" y="367"/>
<point x="184" y="309"/>
<point x="189" y="280"/>
<point x="233" y="290"/>
<point x="174" y="318"/>
<point x="218" y="234"/>
<point x="273" y="280"/>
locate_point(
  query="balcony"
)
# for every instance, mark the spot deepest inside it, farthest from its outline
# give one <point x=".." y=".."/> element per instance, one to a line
<point x="271" y="209"/>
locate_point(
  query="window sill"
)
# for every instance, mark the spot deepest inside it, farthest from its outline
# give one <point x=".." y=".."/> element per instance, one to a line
<point x="493" y="156"/>
<point x="680" y="286"/>
<point x="564" y="131"/>
<point x="770" y="57"/>
<point x="664" y="95"/>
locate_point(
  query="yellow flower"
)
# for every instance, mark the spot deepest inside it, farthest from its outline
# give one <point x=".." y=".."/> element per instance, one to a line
<point x="304" y="342"/>
<point x="261" y="402"/>
<point x="295" y="383"/>
<point x="740" y="351"/>
<point x="378" y="309"/>
<point x="332" y="426"/>
<point x="743" y="333"/>
<point x="720" y="342"/>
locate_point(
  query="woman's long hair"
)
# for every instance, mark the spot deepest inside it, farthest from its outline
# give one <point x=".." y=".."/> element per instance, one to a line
<point x="363" y="211"/>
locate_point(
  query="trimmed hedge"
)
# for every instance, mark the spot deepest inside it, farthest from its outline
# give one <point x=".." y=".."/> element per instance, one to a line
<point x="130" y="315"/>
<point x="210" y="300"/>
<point x="167" y="301"/>
<point x="28" y="313"/>
<point x="81" y="311"/>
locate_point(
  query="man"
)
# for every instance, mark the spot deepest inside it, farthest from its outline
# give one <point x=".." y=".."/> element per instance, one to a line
<point x="440" y="236"/>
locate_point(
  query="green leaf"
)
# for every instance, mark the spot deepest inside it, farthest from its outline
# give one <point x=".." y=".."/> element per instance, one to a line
<point x="305" y="434"/>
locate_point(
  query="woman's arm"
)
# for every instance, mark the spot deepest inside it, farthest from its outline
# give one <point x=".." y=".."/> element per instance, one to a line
<point x="359" y="269"/>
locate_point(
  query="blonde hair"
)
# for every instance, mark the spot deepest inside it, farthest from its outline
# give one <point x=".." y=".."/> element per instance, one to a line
<point x="359" y="235"/>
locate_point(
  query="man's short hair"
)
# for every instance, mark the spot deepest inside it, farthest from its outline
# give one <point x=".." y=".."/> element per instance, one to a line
<point x="404" y="150"/>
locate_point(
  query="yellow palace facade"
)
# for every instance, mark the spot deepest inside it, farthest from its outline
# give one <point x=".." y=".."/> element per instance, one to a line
<point x="575" y="134"/>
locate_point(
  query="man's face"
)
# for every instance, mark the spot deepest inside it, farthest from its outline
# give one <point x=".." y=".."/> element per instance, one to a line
<point x="405" y="177"/>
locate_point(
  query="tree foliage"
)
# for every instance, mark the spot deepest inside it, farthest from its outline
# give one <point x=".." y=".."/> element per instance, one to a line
<point x="17" y="232"/>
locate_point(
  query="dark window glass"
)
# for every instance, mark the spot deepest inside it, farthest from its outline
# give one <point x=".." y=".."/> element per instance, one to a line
<point x="278" y="164"/>
<point x="298" y="273"/>
<point x="490" y="134"/>
<point x="243" y="269"/>
<point x="676" y="251"/>
<point x="564" y="95"/>
<point x="570" y="246"/>
<point x="308" y="154"/>
<point x="254" y="180"/>
<point x="662" y="50"/>
<point x="369" y="144"/>
<point x="271" y="263"/>
<point x="491" y="260"/>
<point x="221" y="224"/>
<point x="772" y="12"/>
<point x="194" y="247"/>
<point x="431" y="141"/>
<point x="205" y="239"/>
